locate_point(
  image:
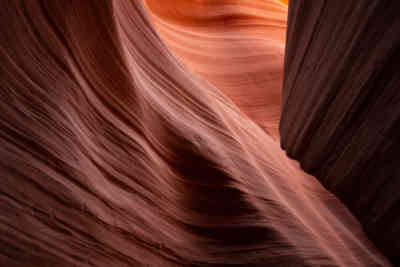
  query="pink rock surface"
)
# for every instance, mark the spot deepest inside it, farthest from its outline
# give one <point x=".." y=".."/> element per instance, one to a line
<point x="237" y="46"/>
<point x="113" y="153"/>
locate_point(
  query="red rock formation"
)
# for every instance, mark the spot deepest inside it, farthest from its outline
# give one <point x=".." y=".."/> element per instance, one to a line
<point x="341" y="111"/>
<point x="237" y="46"/>
<point x="114" y="154"/>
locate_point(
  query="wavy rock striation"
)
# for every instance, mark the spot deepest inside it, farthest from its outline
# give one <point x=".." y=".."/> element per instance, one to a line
<point x="112" y="153"/>
<point x="237" y="46"/>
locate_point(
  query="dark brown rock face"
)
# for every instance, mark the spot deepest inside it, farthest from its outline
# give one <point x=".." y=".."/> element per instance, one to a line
<point x="341" y="106"/>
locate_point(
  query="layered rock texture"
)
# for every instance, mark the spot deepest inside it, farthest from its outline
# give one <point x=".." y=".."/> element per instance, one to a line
<point x="237" y="46"/>
<point x="341" y="106"/>
<point x="144" y="133"/>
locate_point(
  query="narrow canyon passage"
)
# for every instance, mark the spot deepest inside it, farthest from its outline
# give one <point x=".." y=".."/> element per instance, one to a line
<point x="130" y="136"/>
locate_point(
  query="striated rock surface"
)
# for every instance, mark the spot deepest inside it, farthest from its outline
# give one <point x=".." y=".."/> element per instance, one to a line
<point x="237" y="46"/>
<point x="341" y="106"/>
<point x="112" y="153"/>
